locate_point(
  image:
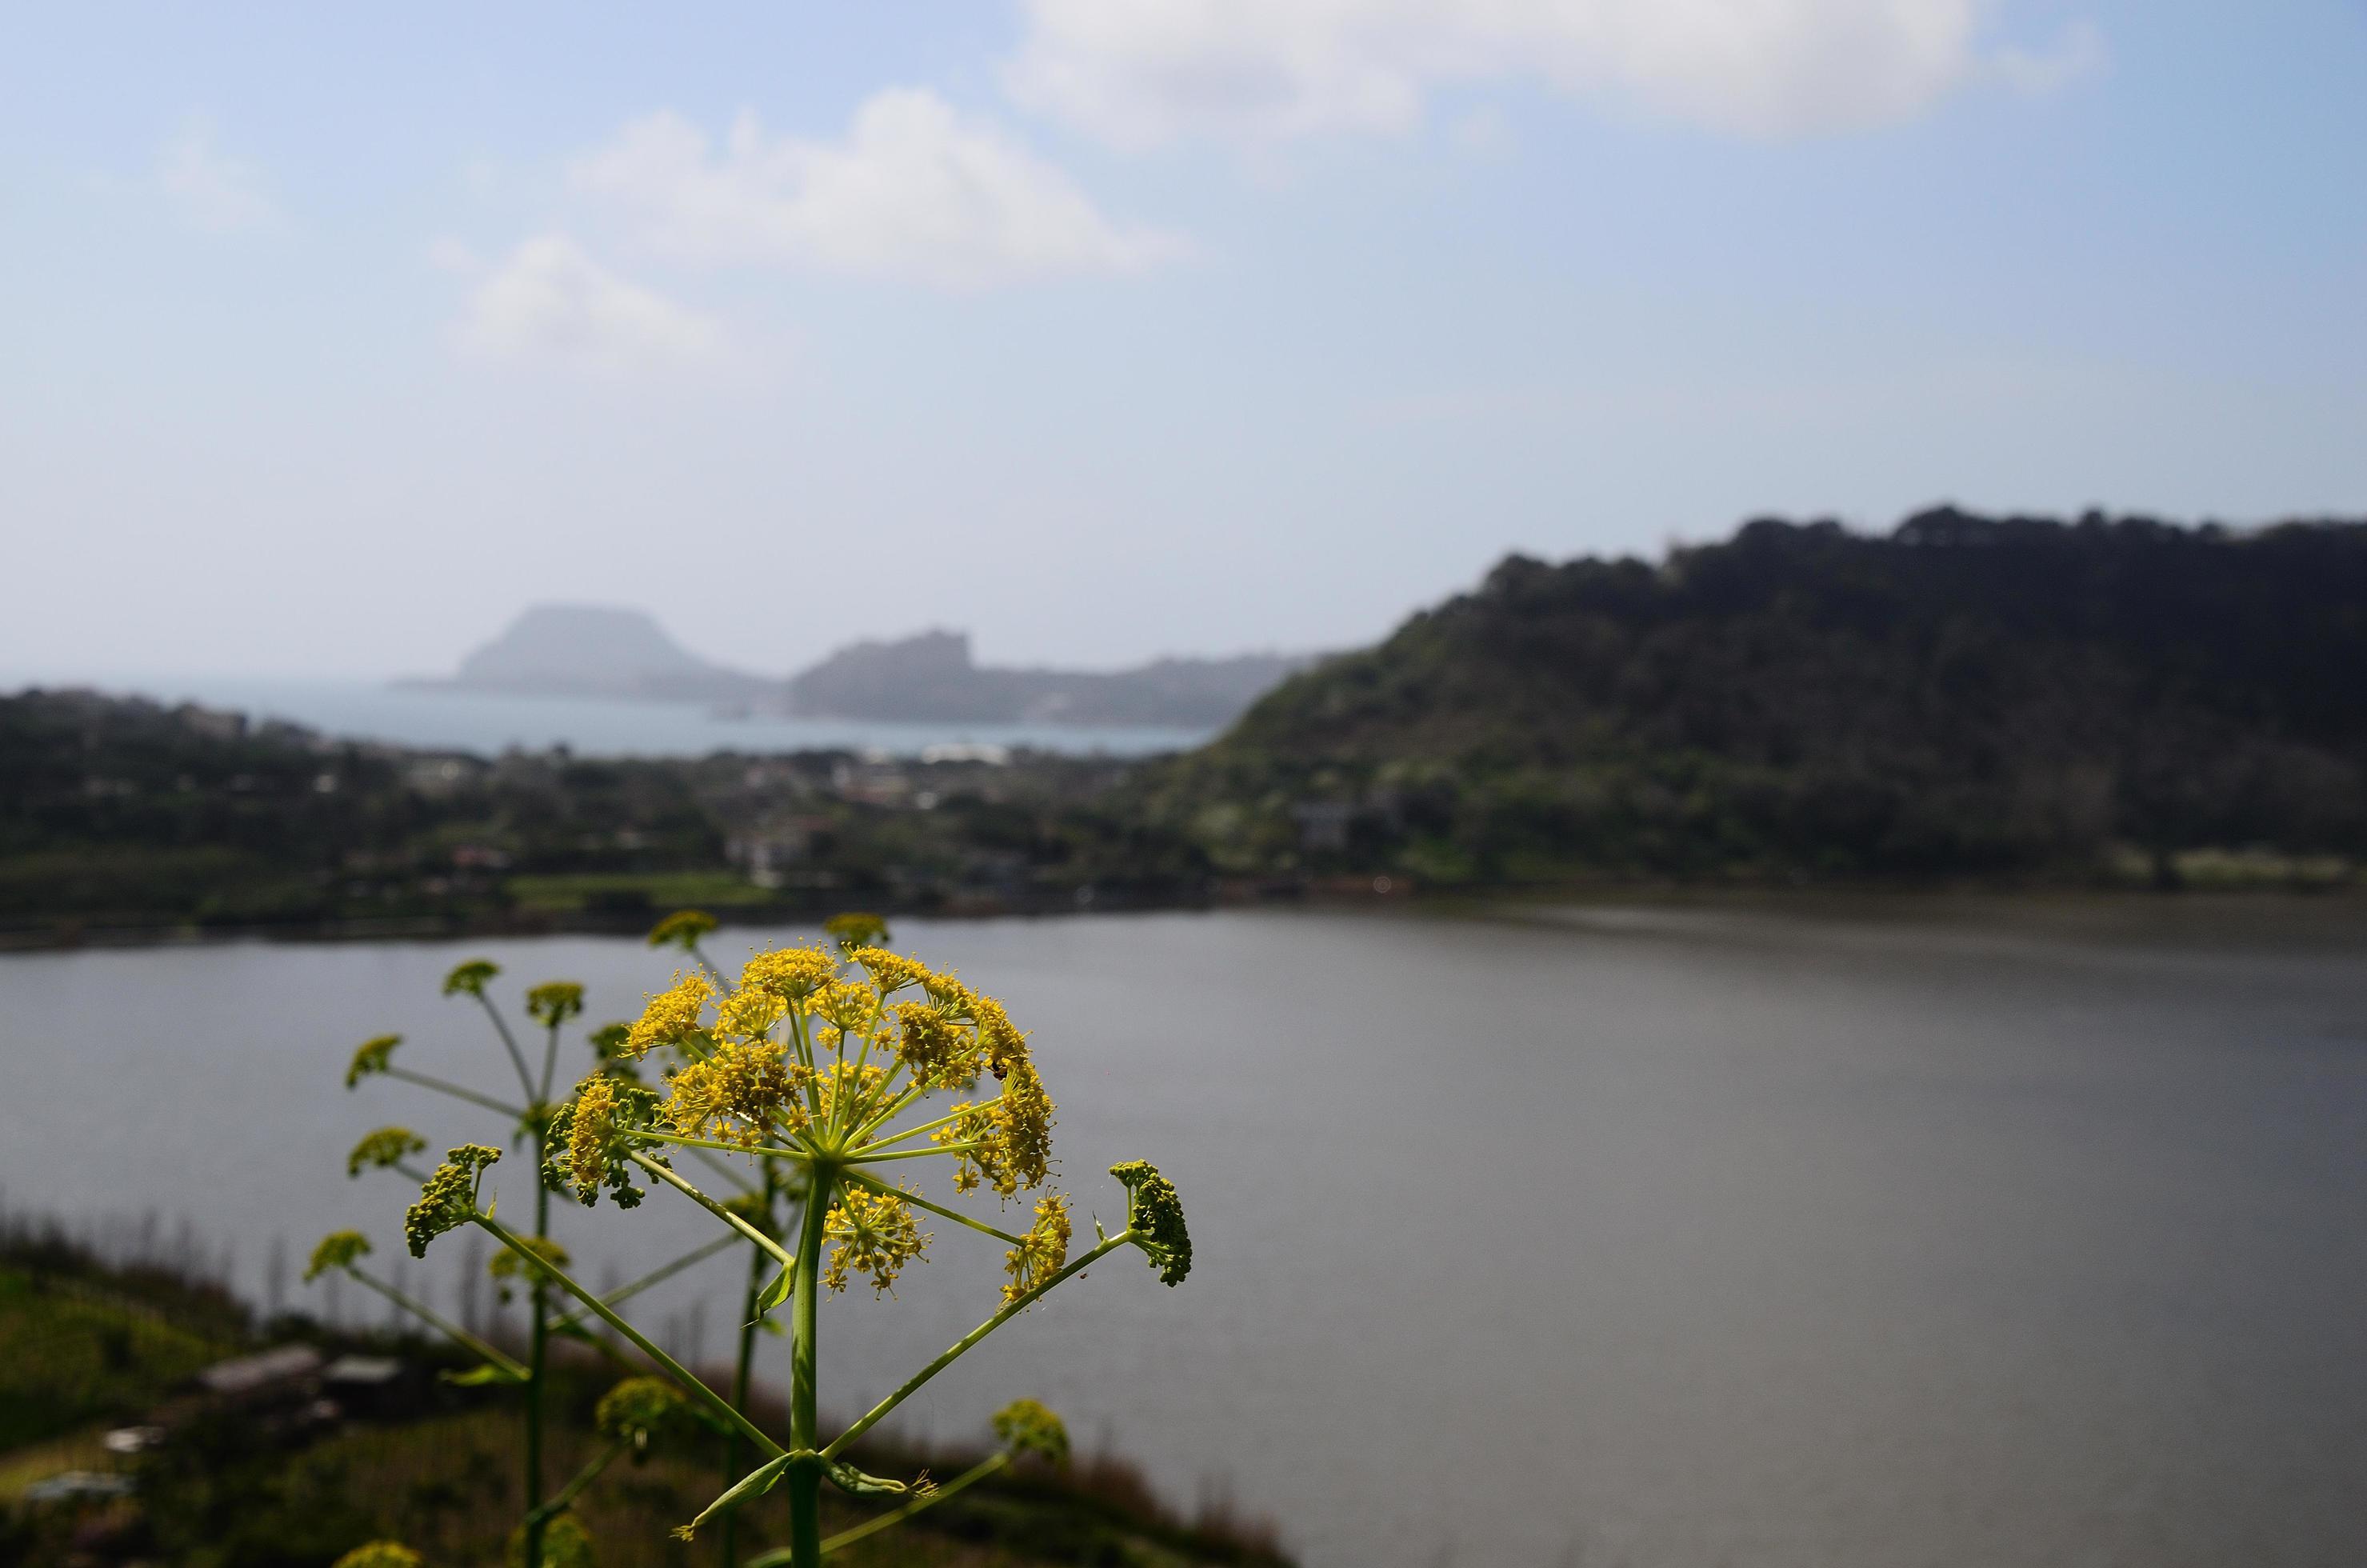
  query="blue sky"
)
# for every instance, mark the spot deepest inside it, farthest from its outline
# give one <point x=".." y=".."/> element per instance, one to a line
<point x="1109" y="328"/>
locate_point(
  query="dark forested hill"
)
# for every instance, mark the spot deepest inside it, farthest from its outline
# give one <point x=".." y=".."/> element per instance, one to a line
<point x="1964" y="696"/>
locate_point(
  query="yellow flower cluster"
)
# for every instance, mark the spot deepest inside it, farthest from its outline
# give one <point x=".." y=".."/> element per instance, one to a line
<point x="670" y="1016"/>
<point x="1041" y="1252"/>
<point x="873" y="1233"/>
<point x="739" y="1090"/>
<point x="791" y="973"/>
<point x="1006" y="1142"/>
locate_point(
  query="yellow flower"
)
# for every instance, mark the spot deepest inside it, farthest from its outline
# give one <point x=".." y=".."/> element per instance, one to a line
<point x="749" y="1013"/>
<point x="588" y="1134"/>
<point x="791" y="973"/>
<point x="371" y="1056"/>
<point x="848" y="1006"/>
<point x="671" y="1014"/>
<point x="1005" y="1046"/>
<point x="1014" y="1131"/>
<point x="937" y="1052"/>
<point x="873" y="1233"/>
<point x="890" y="971"/>
<point x="1041" y="1252"/>
<point x="841" y="1088"/>
<point x="740" y="1090"/>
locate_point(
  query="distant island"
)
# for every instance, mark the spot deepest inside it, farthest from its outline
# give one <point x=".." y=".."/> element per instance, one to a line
<point x="597" y="651"/>
<point x="2109" y="702"/>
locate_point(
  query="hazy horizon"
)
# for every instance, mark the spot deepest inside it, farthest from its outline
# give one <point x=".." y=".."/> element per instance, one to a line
<point x="336" y="339"/>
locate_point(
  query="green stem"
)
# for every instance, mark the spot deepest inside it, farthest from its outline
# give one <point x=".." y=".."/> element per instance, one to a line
<point x="574" y="1488"/>
<point x="654" y="1276"/>
<point x="805" y="1479"/>
<point x="665" y="1363"/>
<point x="452" y="1331"/>
<point x="743" y="1371"/>
<point x="539" y="1347"/>
<point x="1018" y="1305"/>
<point x="914" y="1131"/>
<point x="510" y="1044"/>
<point x="456" y="1091"/>
<point x="918" y="1153"/>
<point x="550" y="1063"/>
<point x="721" y="1212"/>
<point x="917" y="1201"/>
<point x="970" y="1477"/>
<point x="767" y="1151"/>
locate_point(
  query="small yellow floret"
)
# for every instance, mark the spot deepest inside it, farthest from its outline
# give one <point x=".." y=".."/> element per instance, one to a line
<point x="874" y="1233"/>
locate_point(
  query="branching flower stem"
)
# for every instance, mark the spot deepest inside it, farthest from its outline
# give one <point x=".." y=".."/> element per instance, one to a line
<point x="626" y="1292"/>
<point x="452" y="1331"/>
<point x="718" y="1210"/>
<point x="917" y="1201"/>
<point x="867" y="1144"/>
<point x="509" y="1042"/>
<point x="566" y="1494"/>
<point x="870" y="1159"/>
<point x="1018" y="1304"/>
<point x="444" y="1087"/>
<point x="682" y="1376"/>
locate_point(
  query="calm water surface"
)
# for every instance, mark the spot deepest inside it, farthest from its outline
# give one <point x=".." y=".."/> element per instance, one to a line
<point x="1867" y="1239"/>
<point x="486" y="722"/>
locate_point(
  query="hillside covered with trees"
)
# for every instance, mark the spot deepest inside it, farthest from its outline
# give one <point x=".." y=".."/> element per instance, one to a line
<point x="1962" y="696"/>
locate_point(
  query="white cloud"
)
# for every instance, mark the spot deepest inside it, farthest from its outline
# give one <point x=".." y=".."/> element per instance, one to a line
<point x="549" y="303"/>
<point x="1153" y="71"/>
<point x="912" y="190"/>
<point x="211" y="191"/>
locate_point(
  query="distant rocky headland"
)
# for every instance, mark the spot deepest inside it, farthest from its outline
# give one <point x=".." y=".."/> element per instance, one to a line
<point x="598" y="651"/>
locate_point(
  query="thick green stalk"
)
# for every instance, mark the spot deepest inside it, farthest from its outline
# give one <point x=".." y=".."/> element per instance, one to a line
<point x="539" y="1345"/>
<point x="805" y="1479"/>
<point x="743" y="1371"/>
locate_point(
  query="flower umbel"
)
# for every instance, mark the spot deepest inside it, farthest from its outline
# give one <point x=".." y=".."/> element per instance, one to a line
<point x="386" y="1146"/>
<point x="470" y="978"/>
<point x="338" y="1249"/>
<point x="873" y="1233"/>
<point x="671" y="1015"/>
<point x="682" y="929"/>
<point x="1040" y="1253"/>
<point x="592" y="1137"/>
<point x="1027" y="1428"/>
<point x="553" y="1004"/>
<point x="450" y="1199"/>
<point x="371" y="1056"/>
<point x="639" y="1412"/>
<point x="379" y="1554"/>
<point x="1153" y="1212"/>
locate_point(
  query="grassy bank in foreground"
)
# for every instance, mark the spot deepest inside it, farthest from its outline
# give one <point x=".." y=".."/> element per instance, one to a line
<point x="368" y="1442"/>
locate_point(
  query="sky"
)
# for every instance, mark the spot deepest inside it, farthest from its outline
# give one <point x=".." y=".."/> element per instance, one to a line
<point x="330" y="337"/>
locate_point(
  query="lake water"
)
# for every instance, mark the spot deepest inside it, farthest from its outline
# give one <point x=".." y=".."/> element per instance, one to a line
<point x="1815" y="1237"/>
<point x="487" y="722"/>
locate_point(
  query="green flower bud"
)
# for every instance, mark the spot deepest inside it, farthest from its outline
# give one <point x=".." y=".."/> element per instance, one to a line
<point x="450" y="1199"/>
<point x="338" y="1249"/>
<point x="1154" y="1212"/>
<point x="383" y="1148"/>
<point x="371" y="1056"/>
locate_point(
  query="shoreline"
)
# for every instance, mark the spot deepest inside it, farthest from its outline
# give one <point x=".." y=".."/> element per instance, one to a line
<point x="1886" y="900"/>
